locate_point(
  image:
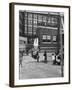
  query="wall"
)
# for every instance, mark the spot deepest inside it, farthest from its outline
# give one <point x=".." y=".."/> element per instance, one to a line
<point x="4" y="44"/>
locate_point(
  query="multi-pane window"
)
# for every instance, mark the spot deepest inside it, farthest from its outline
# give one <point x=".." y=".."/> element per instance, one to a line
<point x="39" y="17"/>
<point x="46" y="38"/>
<point x="25" y="21"/>
<point x="39" y="20"/>
<point x="54" y="38"/>
<point x="52" y="21"/>
<point x="34" y="30"/>
<point x="29" y="22"/>
<point x="29" y="30"/>
<point x="35" y="22"/>
<point x="29" y="16"/>
<point x="35" y="16"/>
<point x="44" y="18"/>
<point x="48" y="20"/>
<point x="25" y="16"/>
<point x="25" y="30"/>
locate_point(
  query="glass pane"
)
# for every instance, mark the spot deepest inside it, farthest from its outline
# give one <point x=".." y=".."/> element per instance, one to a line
<point x="48" y="37"/>
<point x="49" y="20"/>
<point x="44" y="37"/>
<point x="29" y="22"/>
<point x="30" y="30"/>
<point x="39" y="17"/>
<point x="25" y="15"/>
<point x="29" y="16"/>
<point x="35" y="22"/>
<point x="54" y="20"/>
<point x="54" y="38"/>
<point x="25" y="29"/>
<point x="35" y="16"/>
<point x="25" y="21"/>
<point x="44" y="18"/>
<point x="34" y="32"/>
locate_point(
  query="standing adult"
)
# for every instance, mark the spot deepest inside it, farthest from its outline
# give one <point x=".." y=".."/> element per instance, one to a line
<point x="54" y="58"/>
<point x="37" y="56"/>
<point x="45" y="57"/>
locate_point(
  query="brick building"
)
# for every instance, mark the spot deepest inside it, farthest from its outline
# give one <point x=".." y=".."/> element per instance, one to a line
<point x="47" y="26"/>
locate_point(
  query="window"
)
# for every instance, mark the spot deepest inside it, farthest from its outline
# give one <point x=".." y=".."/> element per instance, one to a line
<point x="35" y="16"/>
<point x="40" y="17"/>
<point x="29" y="30"/>
<point x="29" y="15"/>
<point x="25" y="15"/>
<point x="49" y="20"/>
<point x="34" y="30"/>
<point x="29" y="22"/>
<point x="25" y="21"/>
<point x="35" y="22"/>
<point x="46" y="38"/>
<point x="54" y="38"/>
<point x="44" y="18"/>
<point x="54" y="20"/>
<point x="25" y="30"/>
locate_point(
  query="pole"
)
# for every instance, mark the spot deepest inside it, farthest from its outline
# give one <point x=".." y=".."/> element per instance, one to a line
<point x="62" y="71"/>
<point x="62" y="74"/>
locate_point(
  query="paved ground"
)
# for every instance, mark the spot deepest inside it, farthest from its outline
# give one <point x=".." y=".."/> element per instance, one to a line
<point x="32" y="69"/>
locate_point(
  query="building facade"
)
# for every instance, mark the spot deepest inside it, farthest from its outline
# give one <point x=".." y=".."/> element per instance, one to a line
<point x="47" y="26"/>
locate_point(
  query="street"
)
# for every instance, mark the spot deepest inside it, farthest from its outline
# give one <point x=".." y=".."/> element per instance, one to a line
<point x="31" y="69"/>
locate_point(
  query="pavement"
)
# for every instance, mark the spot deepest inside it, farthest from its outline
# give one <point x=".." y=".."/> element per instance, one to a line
<point x="31" y="69"/>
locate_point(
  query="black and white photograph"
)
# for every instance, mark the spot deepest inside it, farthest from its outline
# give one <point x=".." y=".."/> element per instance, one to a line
<point x="41" y="44"/>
